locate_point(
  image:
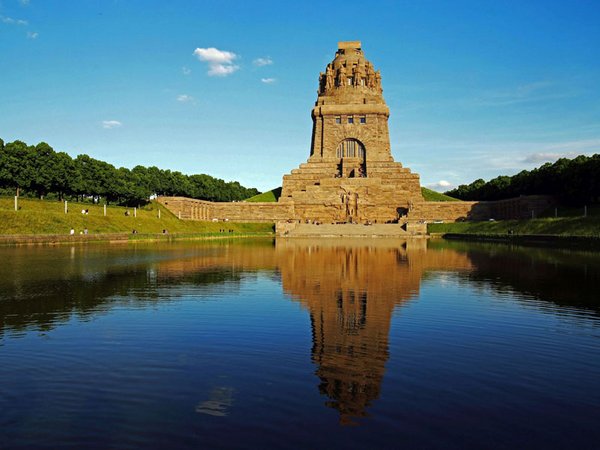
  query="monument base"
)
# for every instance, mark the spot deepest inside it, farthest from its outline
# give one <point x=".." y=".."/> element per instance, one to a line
<point x="394" y="230"/>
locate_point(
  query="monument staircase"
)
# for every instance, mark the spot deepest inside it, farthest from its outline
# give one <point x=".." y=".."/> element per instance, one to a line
<point x="347" y="230"/>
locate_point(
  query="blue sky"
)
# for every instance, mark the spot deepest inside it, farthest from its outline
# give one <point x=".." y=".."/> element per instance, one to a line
<point x="476" y="89"/>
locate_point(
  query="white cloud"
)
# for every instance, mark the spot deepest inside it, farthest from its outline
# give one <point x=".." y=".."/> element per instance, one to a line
<point x="184" y="98"/>
<point x="186" y="70"/>
<point x="11" y="21"/>
<point x="473" y="159"/>
<point x="220" y="62"/>
<point x="32" y="34"/>
<point x="108" y="124"/>
<point x="441" y="186"/>
<point x="268" y="80"/>
<point x="259" y="62"/>
<point x="544" y="157"/>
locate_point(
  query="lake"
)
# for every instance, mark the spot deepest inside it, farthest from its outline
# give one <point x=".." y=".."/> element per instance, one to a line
<point x="259" y="343"/>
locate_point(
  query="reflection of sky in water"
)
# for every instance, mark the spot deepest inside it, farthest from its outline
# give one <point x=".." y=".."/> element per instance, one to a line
<point x="281" y="346"/>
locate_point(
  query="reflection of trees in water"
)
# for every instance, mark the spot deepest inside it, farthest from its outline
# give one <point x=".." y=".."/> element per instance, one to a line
<point x="563" y="278"/>
<point x="82" y="283"/>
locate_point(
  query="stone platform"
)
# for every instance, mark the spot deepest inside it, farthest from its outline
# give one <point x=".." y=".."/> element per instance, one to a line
<point x="394" y="230"/>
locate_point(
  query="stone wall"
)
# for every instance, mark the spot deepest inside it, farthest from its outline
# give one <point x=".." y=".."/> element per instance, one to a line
<point x="191" y="209"/>
<point x="449" y="211"/>
<point x="524" y="207"/>
<point x="515" y="208"/>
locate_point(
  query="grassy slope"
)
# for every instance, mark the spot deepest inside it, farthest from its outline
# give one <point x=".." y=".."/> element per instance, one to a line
<point x="269" y="196"/>
<point x="567" y="226"/>
<point x="48" y="217"/>
<point x="432" y="196"/>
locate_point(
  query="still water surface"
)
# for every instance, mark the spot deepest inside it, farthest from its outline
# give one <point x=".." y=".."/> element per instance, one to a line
<point x="299" y="344"/>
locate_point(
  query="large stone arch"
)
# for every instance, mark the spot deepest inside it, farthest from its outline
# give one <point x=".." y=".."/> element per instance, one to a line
<point x="350" y="148"/>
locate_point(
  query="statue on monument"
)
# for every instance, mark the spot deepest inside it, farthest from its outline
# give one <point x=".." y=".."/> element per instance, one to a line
<point x="328" y="78"/>
<point x="378" y="81"/>
<point x="341" y="76"/>
<point x="359" y="75"/>
<point x="370" y="75"/>
<point x="353" y="200"/>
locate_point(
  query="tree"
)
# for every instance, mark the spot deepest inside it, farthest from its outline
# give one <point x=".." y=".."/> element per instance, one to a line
<point x="43" y="164"/>
<point x="41" y="170"/>
<point x="15" y="169"/>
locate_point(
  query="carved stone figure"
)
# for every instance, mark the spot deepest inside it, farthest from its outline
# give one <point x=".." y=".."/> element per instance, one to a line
<point x="359" y="75"/>
<point x="341" y="76"/>
<point x="328" y="78"/>
<point x="353" y="203"/>
<point x="370" y="75"/>
<point x="378" y="81"/>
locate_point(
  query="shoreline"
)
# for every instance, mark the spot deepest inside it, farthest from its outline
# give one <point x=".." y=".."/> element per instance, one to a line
<point x="116" y="238"/>
<point x="538" y="240"/>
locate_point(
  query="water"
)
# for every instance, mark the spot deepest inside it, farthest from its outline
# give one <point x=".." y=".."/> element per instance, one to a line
<point x="299" y="344"/>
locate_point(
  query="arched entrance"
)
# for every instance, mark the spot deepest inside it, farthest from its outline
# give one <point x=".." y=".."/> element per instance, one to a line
<point x="352" y="155"/>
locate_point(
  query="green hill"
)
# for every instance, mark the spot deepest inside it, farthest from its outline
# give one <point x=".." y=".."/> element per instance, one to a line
<point x="432" y="196"/>
<point x="269" y="196"/>
<point x="48" y="217"/>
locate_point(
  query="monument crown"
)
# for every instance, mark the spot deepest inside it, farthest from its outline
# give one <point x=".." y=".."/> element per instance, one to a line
<point x="350" y="75"/>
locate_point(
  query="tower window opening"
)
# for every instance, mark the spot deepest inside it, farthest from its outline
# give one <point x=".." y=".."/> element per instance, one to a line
<point x="363" y="119"/>
<point x="350" y="81"/>
<point x="350" y="119"/>
<point x="338" y="119"/>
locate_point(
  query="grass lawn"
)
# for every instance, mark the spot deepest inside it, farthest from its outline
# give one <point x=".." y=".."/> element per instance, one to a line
<point x="48" y="217"/>
<point x="269" y="196"/>
<point x="432" y="196"/>
<point x="566" y="226"/>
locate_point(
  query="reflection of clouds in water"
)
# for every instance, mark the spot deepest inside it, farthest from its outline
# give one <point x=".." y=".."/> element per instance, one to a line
<point x="218" y="403"/>
<point x="445" y="279"/>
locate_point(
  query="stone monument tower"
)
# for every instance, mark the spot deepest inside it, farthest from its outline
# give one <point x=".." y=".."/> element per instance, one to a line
<point x="350" y="176"/>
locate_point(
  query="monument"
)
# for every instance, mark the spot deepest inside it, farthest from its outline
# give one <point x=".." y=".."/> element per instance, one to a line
<point x="350" y="176"/>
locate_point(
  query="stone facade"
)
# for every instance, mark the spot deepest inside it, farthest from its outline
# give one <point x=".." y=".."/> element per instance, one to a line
<point x="350" y="176"/>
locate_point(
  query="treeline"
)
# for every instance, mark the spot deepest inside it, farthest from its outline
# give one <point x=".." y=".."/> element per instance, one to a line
<point x="574" y="181"/>
<point x="39" y="170"/>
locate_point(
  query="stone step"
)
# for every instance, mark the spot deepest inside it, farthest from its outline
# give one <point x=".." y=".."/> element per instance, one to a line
<point x="349" y="230"/>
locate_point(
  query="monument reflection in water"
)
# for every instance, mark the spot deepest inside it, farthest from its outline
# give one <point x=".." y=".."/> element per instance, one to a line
<point x="426" y="343"/>
<point x="351" y="291"/>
